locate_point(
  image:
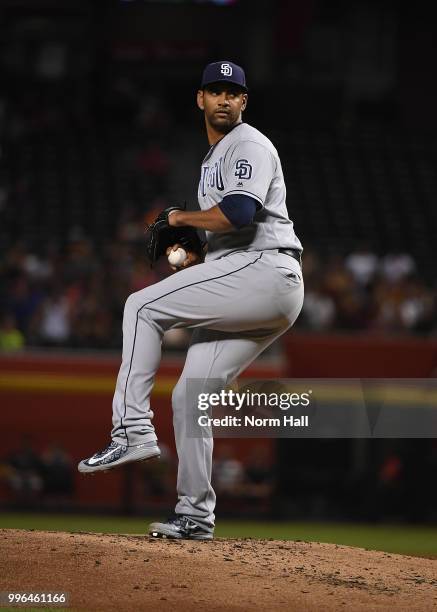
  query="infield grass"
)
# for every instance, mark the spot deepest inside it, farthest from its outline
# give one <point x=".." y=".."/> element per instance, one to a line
<point x="402" y="539"/>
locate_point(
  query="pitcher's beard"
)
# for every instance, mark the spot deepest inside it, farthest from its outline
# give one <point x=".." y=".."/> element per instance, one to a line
<point x="224" y="125"/>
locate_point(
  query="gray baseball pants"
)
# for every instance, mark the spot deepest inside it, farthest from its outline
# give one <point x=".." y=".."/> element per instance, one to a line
<point x="238" y="305"/>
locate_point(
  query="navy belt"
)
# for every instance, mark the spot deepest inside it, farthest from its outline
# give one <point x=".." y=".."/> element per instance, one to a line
<point x="292" y="253"/>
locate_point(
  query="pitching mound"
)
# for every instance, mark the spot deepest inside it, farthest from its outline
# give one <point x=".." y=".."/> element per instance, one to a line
<point x="123" y="572"/>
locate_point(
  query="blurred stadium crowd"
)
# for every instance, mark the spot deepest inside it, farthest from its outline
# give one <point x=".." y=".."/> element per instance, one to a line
<point x="394" y="485"/>
<point x="93" y="143"/>
<point x="75" y="297"/>
<point x="30" y="478"/>
<point x="75" y="198"/>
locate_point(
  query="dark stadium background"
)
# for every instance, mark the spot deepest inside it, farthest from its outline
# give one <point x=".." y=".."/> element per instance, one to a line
<point x="99" y="130"/>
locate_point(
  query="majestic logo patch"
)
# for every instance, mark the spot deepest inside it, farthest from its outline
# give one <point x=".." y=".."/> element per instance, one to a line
<point x="243" y="169"/>
<point x="226" y="70"/>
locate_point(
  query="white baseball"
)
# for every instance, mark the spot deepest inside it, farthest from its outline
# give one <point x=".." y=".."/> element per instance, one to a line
<point x="177" y="258"/>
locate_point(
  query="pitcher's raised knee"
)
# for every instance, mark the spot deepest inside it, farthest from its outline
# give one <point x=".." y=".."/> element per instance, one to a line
<point x="135" y="302"/>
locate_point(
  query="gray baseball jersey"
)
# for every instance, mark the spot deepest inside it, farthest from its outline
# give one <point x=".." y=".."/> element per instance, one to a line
<point x="246" y="162"/>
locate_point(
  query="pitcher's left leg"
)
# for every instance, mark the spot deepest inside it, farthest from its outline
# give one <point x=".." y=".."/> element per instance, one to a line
<point x="218" y="358"/>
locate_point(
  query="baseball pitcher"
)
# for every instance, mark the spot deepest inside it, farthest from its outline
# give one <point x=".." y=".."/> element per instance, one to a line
<point x="239" y="292"/>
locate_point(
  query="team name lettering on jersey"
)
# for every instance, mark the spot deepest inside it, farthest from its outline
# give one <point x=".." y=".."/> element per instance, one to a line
<point x="212" y="177"/>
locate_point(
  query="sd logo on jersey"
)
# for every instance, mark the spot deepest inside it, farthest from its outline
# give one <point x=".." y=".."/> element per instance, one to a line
<point x="243" y="169"/>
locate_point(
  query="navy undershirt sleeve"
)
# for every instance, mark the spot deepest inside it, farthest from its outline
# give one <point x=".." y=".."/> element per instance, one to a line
<point x="239" y="209"/>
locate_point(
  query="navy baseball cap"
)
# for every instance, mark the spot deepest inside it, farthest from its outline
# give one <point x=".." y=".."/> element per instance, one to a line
<point x="224" y="71"/>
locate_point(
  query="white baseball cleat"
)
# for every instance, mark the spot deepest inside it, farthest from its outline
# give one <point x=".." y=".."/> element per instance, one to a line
<point x="116" y="454"/>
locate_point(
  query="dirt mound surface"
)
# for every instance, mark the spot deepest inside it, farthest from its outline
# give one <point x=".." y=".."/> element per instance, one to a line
<point x="108" y="573"/>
